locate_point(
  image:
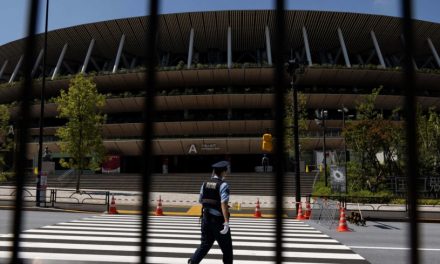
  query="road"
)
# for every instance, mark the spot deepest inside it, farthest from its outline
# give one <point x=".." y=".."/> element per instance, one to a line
<point x="172" y="239"/>
<point x="63" y="236"/>
<point x="386" y="242"/>
<point x="35" y="219"/>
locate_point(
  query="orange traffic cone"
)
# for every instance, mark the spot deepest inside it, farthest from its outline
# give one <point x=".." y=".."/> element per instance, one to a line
<point x="300" y="215"/>
<point x="308" y="210"/>
<point x="257" y="209"/>
<point x="342" y="222"/>
<point x="159" y="211"/>
<point x="112" y="209"/>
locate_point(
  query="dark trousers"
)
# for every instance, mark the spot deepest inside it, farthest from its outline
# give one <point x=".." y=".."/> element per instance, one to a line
<point x="211" y="227"/>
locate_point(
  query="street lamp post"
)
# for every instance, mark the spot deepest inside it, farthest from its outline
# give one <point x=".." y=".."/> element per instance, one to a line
<point x="344" y="110"/>
<point x="322" y="116"/>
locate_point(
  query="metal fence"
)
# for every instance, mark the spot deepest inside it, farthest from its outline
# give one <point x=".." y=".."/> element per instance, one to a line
<point x="278" y="83"/>
<point x="427" y="187"/>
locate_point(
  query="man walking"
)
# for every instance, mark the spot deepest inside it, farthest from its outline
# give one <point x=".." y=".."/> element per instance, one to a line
<point x="265" y="162"/>
<point x="214" y="197"/>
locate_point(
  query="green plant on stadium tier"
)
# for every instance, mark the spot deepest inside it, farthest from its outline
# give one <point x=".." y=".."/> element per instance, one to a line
<point x="198" y="66"/>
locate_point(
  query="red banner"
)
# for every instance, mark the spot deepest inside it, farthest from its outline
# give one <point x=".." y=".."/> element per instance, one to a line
<point x="111" y="164"/>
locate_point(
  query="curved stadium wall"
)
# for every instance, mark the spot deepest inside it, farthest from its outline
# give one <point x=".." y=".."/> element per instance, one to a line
<point x="215" y="78"/>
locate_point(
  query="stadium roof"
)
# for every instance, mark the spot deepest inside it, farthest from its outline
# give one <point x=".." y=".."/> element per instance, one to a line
<point x="248" y="33"/>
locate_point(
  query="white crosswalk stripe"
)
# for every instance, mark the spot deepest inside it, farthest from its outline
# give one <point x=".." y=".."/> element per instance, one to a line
<point x="172" y="239"/>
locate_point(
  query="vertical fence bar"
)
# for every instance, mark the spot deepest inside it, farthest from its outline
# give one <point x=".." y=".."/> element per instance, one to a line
<point x="148" y="123"/>
<point x="42" y="99"/>
<point x="279" y="124"/>
<point x="23" y="121"/>
<point x="409" y="84"/>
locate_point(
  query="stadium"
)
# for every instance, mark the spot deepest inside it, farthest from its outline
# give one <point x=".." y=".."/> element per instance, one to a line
<point x="214" y="98"/>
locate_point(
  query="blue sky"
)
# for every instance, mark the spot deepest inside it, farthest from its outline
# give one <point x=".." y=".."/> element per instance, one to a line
<point x="65" y="13"/>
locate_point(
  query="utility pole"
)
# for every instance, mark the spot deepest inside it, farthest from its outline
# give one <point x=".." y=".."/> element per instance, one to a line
<point x="320" y="120"/>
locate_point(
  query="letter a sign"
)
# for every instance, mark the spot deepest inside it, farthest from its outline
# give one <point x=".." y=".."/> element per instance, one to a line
<point x="192" y="149"/>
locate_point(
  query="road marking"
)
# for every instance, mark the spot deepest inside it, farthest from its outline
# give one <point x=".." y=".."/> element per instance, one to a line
<point x="161" y="241"/>
<point x="173" y="240"/>
<point x="127" y="259"/>
<point x="395" y="248"/>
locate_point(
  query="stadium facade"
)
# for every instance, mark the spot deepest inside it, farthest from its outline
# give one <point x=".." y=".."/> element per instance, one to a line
<point x="215" y="95"/>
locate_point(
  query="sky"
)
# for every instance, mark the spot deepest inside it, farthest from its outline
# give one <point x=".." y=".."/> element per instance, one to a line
<point x="65" y="13"/>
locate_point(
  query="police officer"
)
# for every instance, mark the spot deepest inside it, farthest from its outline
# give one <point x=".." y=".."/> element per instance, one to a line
<point x="214" y="197"/>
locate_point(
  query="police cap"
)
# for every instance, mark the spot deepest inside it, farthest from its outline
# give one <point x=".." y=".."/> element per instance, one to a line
<point x="221" y="165"/>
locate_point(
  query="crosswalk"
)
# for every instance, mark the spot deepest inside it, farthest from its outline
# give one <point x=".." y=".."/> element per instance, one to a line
<point x="172" y="239"/>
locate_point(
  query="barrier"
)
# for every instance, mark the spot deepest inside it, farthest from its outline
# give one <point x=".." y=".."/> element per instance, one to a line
<point x="325" y="212"/>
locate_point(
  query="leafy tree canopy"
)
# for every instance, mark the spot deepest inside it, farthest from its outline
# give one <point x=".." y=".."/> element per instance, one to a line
<point x="81" y="137"/>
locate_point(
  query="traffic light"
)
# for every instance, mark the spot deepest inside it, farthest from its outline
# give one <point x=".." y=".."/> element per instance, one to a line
<point x="267" y="142"/>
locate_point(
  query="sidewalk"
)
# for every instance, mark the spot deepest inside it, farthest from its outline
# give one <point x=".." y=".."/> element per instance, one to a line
<point x="187" y="204"/>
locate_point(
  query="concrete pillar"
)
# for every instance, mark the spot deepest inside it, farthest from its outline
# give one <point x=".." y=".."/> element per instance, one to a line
<point x="190" y="48"/>
<point x="344" y="49"/>
<point x="229" y="48"/>
<point x="268" y="48"/>
<point x="377" y="48"/>
<point x="69" y="69"/>
<point x="118" y="55"/>
<point x="60" y="60"/>
<point x="17" y="68"/>
<point x="434" y="52"/>
<point x="402" y="38"/>
<point x="360" y="60"/>
<point x="89" y="53"/>
<point x="2" y="70"/>
<point x="95" y="64"/>
<point x="307" y="46"/>
<point x="133" y="63"/>
<point x="37" y="63"/>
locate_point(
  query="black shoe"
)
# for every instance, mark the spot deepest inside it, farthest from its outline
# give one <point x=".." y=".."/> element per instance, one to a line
<point x="189" y="261"/>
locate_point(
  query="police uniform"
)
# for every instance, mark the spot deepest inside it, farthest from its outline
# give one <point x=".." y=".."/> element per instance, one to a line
<point x="212" y="194"/>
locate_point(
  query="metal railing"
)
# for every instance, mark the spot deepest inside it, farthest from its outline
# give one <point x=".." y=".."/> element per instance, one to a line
<point x="279" y="68"/>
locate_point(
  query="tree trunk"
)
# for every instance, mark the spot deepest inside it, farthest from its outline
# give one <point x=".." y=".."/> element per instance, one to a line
<point x="78" y="178"/>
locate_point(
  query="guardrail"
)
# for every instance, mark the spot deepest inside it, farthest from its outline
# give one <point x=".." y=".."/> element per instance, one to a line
<point x="59" y="196"/>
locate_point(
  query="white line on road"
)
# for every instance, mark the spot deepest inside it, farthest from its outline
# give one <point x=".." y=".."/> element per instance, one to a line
<point x="394" y="248"/>
<point x="124" y="259"/>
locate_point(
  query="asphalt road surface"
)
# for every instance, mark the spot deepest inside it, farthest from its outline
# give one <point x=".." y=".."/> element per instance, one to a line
<point x="172" y="239"/>
<point x="387" y="242"/>
<point x="378" y="242"/>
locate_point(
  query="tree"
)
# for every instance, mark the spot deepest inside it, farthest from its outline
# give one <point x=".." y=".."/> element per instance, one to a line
<point x="428" y="131"/>
<point x="81" y="136"/>
<point x="370" y="135"/>
<point x="6" y="141"/>
<point x="288" y="120"/>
